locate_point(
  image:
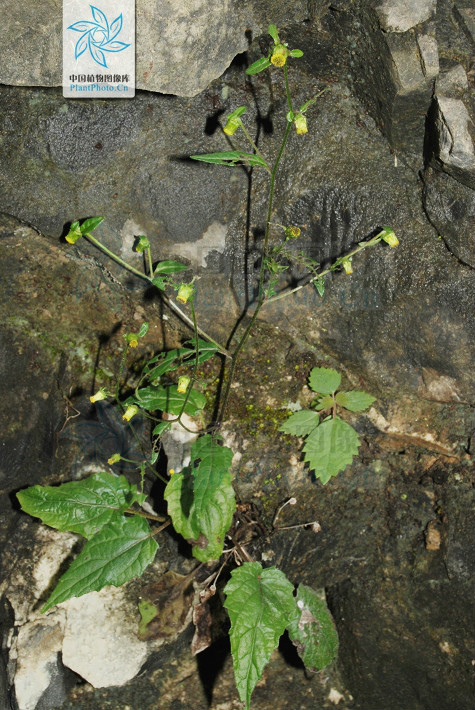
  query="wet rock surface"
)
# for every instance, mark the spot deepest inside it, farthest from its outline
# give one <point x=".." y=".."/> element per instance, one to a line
<point x="392" y="540"/>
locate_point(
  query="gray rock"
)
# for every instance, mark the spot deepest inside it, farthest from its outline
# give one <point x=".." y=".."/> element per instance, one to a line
<point x="465" y="14"/>
<point x="402" y="15"/>
<point x="450" y="206"/>
<point x="452" y="83"/>
<point x="181" y="46"/>
<point x="454" y="130"/>
<point x="429" y="55"/>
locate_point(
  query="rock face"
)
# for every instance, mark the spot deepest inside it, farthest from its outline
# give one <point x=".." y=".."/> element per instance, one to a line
<point x="390" y="141"/>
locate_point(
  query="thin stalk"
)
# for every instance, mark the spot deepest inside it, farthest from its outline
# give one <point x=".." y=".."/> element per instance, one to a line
<point x="149" y="259"/>
<point x="116" y="258"/>
<point x="284" y="294"/>
<point x="141" y="514"/>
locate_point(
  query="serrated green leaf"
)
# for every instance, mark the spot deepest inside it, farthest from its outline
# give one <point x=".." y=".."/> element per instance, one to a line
<point x="168" y="399"/>
<point x="170" y="267"/>
<point x="201" y="500"/>
<point x="231" y="158"/>
<point x="89" y="224"/>
<point x="330" y="448"/>
<point x="119" y="552"/>
<point x="82" y="507"/>
<point x="301" y="423"/>
<point x="312" y="630"/>
<point x="160" y="282"/>
<point x="324" y="380"/>
<point x="355" y="400"/>
<point x="324" y="403"/>
<point x="258" y="66"/>
<point x="259" y="603"/>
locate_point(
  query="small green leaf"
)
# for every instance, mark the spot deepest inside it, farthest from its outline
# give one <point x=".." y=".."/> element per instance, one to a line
<point x="160" y="429"/>
<point x="320" y="286"/>
<point x="170" y="267"/>
<point x="160" y="282"/>
<point x="324" y="380"/>
<point x="143" y="330"/>
<point x="296" y="53"/>
<point x="231" y="158"/>
<point x="168" y="399"/>
<point x="355" y="401"/>
<point x="274" y="34"/>
<point x="324" y="403"/>
<point x="312" y="630"/>
<point x="259" y="603"/>
<point x="330" y="448"/>
<point x="119" y="552"/>
<point x="301" y="423"/>
<point x="89" y="224"/>
<point x="258" y="66"/>
<point x="82" y="507"/>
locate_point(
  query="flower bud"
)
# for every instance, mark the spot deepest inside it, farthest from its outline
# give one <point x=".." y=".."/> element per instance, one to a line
<point x="185" y="292"/>
<point x="100" y="394"/>
<point x="347" y="266"/>
<point x="74" y="233"/>
<point x="183" y="383"/>
<point x="389" y="237"/>
<point x="130" y="412"/>
<point x="233" y="122"/>
<point x="142" y="244"/>
<point x="279" y="55"/>
<point x="300" y="124"/>
<point x="114" y="459"/>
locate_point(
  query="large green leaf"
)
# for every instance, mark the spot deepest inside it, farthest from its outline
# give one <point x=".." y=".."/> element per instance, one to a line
<point x="171" y="360"/>
<point x="168" y="399"/>
<point x="324" y="380"/>
<point x="301" y="423"/>
<point x="201" y="500"/>
<point x="355" y="401"/>
<point x="119" y="552"/>
<point x="260" y="604"/>
<point x="330" y="448"/>
<point x="82" y="507"/>
<point x="170" y="267"/>
<point x="312" y="630"/>
<point x="231" y="158"/>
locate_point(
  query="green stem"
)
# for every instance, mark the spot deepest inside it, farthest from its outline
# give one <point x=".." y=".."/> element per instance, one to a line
<point x="365" y="245"/>
<point x="149" y="259"/>
<point x="116" y="258"/>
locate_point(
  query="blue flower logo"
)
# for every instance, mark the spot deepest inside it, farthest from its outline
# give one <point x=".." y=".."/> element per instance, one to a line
<point x="98" y="36"/>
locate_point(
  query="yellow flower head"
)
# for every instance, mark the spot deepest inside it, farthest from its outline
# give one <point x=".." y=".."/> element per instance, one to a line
<point x="113" y="459"/>
<point x="390" y="238"/>
<point x="292" y="232"/>
<point x="300" y="124"/>
<point x="100" y="394"/>
<point x="132" y="340"/>
<point x="347" y="266"/>
<point x="183" y="383"/>
<point x="130" y="412"/>
<point x="279" y="55"/>
<point x="185" y="292"/>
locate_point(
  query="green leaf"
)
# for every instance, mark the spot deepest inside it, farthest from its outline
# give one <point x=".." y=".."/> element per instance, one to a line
<point x="274" y="34"/>
<point x="168" y="399"/>
<point x="312" y="630"/>
<point x="143" y="330"/>
<point x="259" y="603"/>
<point x="160" y="282"/>
<point x="160" y="429"/>
<point x="201" y="500"/>
<point x="231" y="158"/>
<point x="170" y="267"/>
<point x="258" y="66"/>
<point x="119" y="552"/>
<point x="301" y="423"/>
<point x="82" y="507"/>
<point x="296" y="53"/>
<point x="320" y="286"/>
<point x="355" y="401"/>
<point x="171" y="360"/>
<point x="324" y="380"/>
<point x="324" y="403"/>
<point x="89" y="224"/>
<point x="330" y="448"/>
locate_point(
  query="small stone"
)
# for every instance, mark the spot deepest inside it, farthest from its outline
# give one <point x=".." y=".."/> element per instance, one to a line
<point x="433" y="536"/>
<point x="401" y="15"/>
